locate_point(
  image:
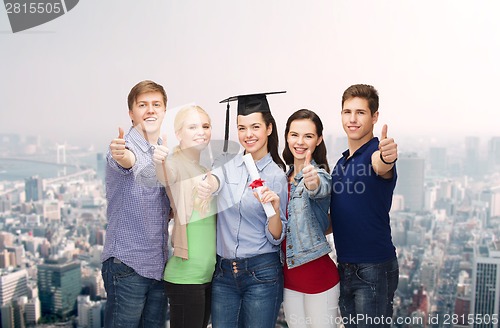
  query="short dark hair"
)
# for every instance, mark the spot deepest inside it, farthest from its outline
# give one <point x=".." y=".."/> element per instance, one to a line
<point x="145" y="87"/>
<point x="364" y="91"/>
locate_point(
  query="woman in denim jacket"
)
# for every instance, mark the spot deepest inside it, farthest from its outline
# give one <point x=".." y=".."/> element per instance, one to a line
<point x="311" y="277"/>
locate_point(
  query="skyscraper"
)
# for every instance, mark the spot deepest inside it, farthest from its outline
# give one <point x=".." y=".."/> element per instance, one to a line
<point x="494" y="151"/>
<point x="33" y="188"/>
<point x="12" y="286"/>
<point x="472" y="160"/>
<point x="101" y="165"/>
<point x="486" y="284"/>
<point x="59" y="286"/>
<point x="410" y="183"/>
<point x="438" y="160"/>
<point x="89" y="312"/>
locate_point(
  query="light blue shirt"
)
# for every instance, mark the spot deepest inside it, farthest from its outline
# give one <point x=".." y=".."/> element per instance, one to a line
<point x="137" y="211"/>
<point x="242" y="225"/>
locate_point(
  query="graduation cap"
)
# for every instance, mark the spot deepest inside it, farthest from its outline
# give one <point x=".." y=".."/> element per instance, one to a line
<point x="247" y="104"/>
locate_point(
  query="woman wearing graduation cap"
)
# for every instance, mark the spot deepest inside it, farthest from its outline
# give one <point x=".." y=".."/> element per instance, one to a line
<point x="247" y="288"/>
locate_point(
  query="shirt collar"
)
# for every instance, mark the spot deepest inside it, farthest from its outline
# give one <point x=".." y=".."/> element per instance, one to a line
<point x="139" y="139"/>
<point x="361" y="149"/>
<point x="261" y="163"/>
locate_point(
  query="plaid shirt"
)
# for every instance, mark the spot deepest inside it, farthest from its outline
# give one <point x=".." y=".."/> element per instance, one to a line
<point x="137" y="211"/>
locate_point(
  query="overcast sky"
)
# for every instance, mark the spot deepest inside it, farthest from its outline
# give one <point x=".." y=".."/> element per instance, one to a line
<point x="435" y="63"/>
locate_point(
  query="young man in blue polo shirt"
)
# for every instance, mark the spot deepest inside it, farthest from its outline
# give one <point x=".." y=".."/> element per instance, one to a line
<point x="363" y="182"/>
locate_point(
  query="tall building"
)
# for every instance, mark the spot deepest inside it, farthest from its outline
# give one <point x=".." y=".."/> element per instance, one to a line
<point x="486" y="285"/>
<point x="33" y="311"/>
<point x="463" y="299"/>
<point x="494" y="151"/>
<point x="472" y="160"/>
<point x="59" y="285"/>
<point x="89" y="312"/>
<point x="5" y="204"/>
<point x="17" y="255"/>
<point x="13" y="285"/>
<point x="6" y="239"/>
<point x="491" y="199"/>
<point x="438" y="160"/>
<point x="410" y="183"/>
<point x="101" y="165"/>
<point x="7" y="316"/>
<point x="33" y="187"/>
<point x="19" y="312"/>
<point x="4" y="259"/>
<point x="51" y="211"/>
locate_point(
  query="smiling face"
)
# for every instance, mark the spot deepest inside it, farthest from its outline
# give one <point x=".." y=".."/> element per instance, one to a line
<point x="195" y="131"/>
<point x="253" y="134"/>
<point x="358" y="121"/>
<point x="301" y="138"/>
<point x="147" y="114"/>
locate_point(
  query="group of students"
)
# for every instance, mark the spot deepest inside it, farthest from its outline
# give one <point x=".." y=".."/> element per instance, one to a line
<point x="233" y="261"/>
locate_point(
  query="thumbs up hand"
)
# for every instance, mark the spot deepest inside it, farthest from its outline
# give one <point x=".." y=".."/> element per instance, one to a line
<point x="161" y="152"/>
<point x="117" y="146"/>
<point x="207" y="186"/>
<point x="124" y="157"/>
<point x="387" y="147"/>
<point x="310" y="174"/>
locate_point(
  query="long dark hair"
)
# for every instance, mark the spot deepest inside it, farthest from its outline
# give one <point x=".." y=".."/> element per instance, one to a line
<point x="319" y="154"/>
<point x="272" y="140"/>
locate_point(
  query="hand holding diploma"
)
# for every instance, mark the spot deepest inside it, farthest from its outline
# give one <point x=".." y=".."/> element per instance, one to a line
<point x="266" y="196"/>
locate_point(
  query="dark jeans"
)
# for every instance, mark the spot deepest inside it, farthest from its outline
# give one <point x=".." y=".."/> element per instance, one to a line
<point x="247" y="292"/>
<point x="189" y="304"/>
<point x="367" y="292"/>
<point x="132" y="300"/>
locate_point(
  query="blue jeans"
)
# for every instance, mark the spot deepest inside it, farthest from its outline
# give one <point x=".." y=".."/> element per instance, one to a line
<point x="132" y="300"/>
<point x="247" y="292"/>
<point x="367" y="292"/>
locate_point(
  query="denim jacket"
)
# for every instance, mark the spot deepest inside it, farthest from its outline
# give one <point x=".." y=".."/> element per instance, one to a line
<point x="307" y="219"/>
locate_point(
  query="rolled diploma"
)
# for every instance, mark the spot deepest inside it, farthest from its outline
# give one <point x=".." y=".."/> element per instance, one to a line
<point x="254" y="175"/>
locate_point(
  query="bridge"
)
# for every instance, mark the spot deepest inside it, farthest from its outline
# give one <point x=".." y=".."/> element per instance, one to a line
<point x="39" y="161"/>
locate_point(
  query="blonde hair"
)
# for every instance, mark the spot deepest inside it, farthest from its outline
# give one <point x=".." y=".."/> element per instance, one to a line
<point x="180" y="118"/>
<point x="203" y="206"/>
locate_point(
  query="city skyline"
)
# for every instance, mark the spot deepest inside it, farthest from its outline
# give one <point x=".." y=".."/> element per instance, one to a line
<point x="439" y="239"/>
<point x="434" y="63"/>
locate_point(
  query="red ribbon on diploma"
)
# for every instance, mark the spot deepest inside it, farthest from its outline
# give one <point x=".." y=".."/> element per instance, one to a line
<point x="256" y="183"/>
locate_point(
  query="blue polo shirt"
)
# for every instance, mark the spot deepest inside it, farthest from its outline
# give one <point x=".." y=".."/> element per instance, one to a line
<point x="359" y="208"/>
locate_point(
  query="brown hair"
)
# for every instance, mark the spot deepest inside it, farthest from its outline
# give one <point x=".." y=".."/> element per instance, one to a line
<point x="364" y="91"/>
<point x="145" y="87"/>
<point x="319" y="154"/>
<point x="272" y="140"/>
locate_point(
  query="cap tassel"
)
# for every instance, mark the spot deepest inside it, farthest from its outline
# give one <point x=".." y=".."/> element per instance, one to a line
<point x="226" y="132"/>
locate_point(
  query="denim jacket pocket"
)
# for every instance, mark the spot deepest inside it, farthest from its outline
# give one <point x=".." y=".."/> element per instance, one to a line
<point x="297" y="192"/>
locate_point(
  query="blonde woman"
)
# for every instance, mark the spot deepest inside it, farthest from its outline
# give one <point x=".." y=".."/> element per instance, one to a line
<point x="188" y="274"/>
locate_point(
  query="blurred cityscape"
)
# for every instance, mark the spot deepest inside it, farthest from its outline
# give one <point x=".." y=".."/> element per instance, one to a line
<point x="445" y="222"/>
